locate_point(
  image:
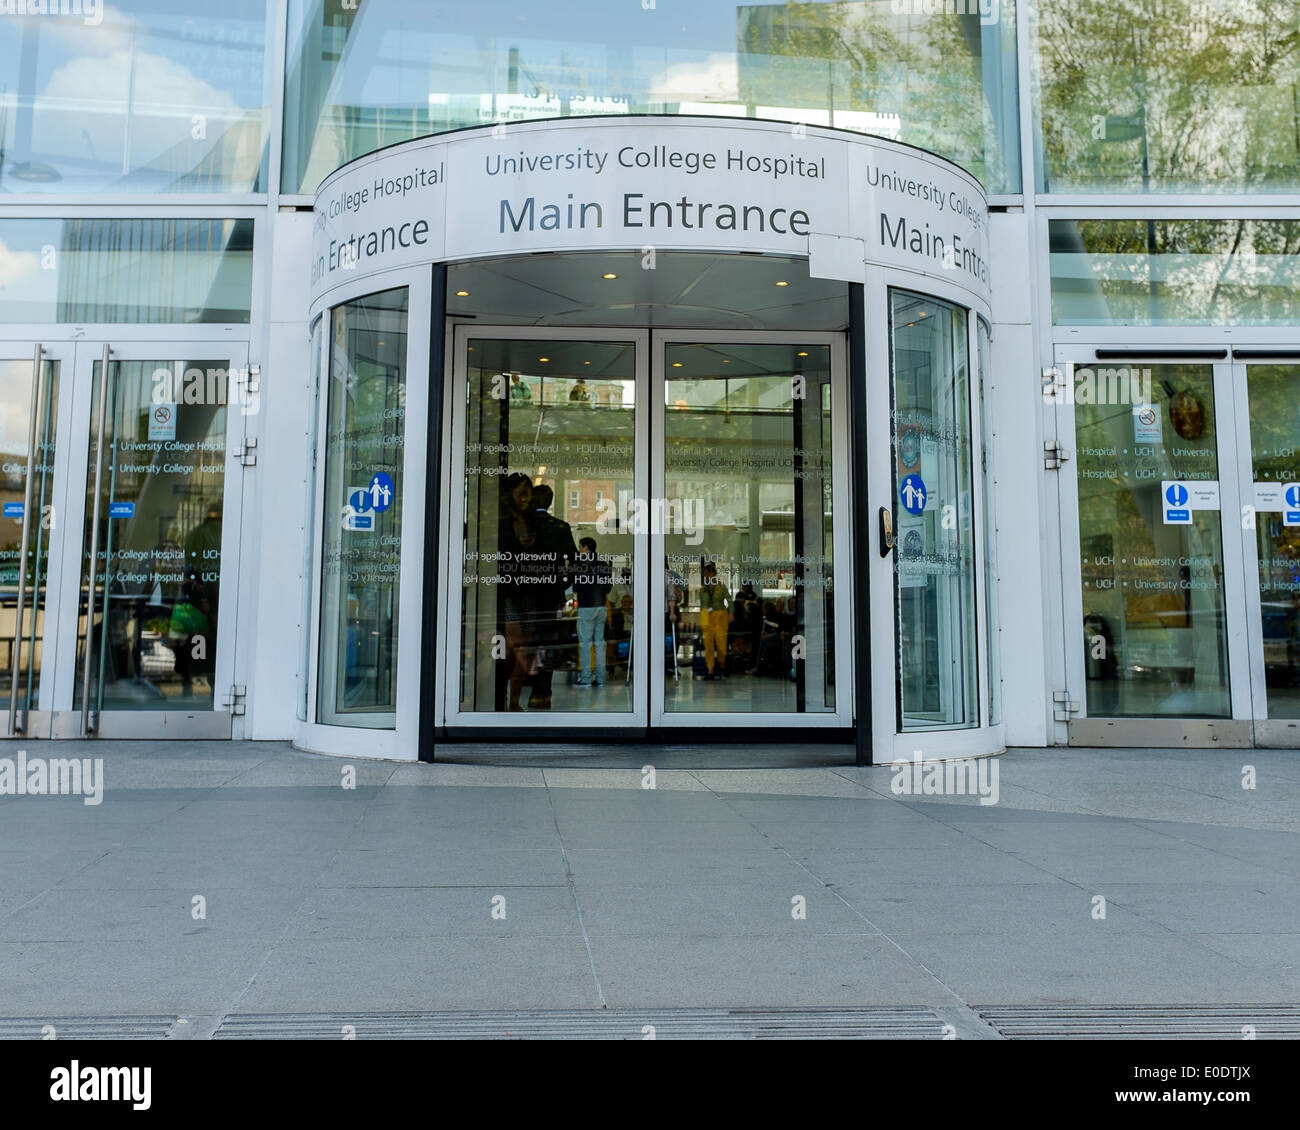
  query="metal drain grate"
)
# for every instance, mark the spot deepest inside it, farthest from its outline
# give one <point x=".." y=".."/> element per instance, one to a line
<point x="595" y="1024"/>
<point x="85" y="1027"/>
<point x="1144" y="1022"/>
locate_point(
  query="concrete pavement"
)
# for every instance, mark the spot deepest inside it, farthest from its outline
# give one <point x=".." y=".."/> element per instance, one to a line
<point x="219" y="881"/>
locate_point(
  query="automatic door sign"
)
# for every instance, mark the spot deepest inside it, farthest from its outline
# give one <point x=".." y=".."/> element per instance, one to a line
<point x="1177" y="512"/>
<point x="1291" y="511"/>
<point x="1181" y="498"/>
<point x="121" y="509"/>
<point x="913" y="494"/>
<point x="14" y="510"/>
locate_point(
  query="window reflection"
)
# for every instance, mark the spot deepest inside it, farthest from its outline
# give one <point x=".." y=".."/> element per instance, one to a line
<point x="151" y="97"/>
<point x="385" y="71"/>
<point x="1168" y="96"/>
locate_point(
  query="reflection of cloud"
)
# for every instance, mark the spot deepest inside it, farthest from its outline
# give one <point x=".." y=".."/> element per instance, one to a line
<point x="82" y="109"/>
<point x="16" y="265"/>
<point x="716" y="77"/>
<point x="112" y="34"/>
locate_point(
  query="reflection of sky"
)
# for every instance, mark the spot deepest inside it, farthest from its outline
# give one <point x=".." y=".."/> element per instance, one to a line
<point x="168" y="60"/>
<point x="394" y="46"/>
<point x="27" y="292"/>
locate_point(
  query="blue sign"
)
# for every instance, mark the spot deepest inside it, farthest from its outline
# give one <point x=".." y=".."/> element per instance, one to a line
<point x="14" y="509"/>
<point x="121" y="509"/>
<point x="378" y="496"/>
<point x="912" y="492"/>
<point x="1291" y="512"/>
<point x="382" y="492"/>
<point x="1177" y="512"/>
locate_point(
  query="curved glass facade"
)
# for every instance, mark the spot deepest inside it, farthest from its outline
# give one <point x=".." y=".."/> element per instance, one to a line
<point x="135" y="96"/>
<point x="364" y="76"/>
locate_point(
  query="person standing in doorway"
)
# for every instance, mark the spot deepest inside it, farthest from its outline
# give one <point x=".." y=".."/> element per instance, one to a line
<point x="715" y="617"/>
<point x="551" y="570"/>
<point x="592" y="582"/>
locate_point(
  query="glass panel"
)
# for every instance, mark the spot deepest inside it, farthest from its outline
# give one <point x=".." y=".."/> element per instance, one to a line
<point x="934" y="564"/>
<point x="747" y="529"/>
<point x="1155" y="638"/>
<point x="1274" y="392"/>
<point x="547" y="598"/>
<point x="988" y="429"/>
<point x="157" y="575"/>
<point x="364" y="445"/>
<point x="1168" y="96"/>
<point x="1175" y="272"/>
<point x="180" y="271"/>
<point x="135" y="96"/>
<point x="15" y="419"/>
<point x="938" y="75"/>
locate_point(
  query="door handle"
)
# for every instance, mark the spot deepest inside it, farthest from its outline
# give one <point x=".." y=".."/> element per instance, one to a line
<point x="886" y="531"/>
<point x="87" y="726"/>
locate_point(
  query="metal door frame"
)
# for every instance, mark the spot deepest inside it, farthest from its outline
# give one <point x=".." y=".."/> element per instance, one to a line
<point x="842" y="716"/>
<point x="1236" y="731"/>
<point x="79" y="416"/>
<point x="457" y="418"/>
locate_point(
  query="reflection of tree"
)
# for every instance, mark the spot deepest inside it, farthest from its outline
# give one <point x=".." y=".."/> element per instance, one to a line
<point x="1228" y="271"/>
<point x="860" y="56"/>
<point x="1211" y="86"/>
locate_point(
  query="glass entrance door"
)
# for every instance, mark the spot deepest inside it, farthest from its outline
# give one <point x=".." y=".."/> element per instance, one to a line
<point x="647" y="529"/>
<point x="153" y="518"/>
<point x="1151" y="562"/>
<point x="1269" y="403"/>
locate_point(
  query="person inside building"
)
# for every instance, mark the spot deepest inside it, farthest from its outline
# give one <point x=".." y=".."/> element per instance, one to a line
<point x="515" y="606"/>
<point x="551" y="570"/>
<point x="716" y="604"/>
<point x="592" y="581"/>
<point x="579" y="393"/>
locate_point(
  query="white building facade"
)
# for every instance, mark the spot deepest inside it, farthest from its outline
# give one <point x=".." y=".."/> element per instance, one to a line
<point x="378" y="374"/>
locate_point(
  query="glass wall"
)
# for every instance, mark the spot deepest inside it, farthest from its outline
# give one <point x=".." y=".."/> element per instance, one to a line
<point x="1175" y="272"/>
<point x="1154" y="633"/>
<point x="749" y="572"/>
<point x="1274" y="393"/>
<point x="934" y="562"/>
<point x="126" y="270"/>
<point x="364" y="445"/>
<point x="365" y="75"/>
<point x="135" y="96"/>
<point x="1167" y="95"/>
<point x="548" y="615"/>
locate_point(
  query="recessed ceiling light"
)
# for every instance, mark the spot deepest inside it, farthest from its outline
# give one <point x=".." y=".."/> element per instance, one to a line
<point x="543" y="358"/>
<point x="783" y="283"/>
<point x="586" y="362"/>
<point x="803" y="354"/>
<point x="921" y="314"/>
<point x="725" y="361"/>
<point x="610" y="275"/>
<point x="383" y="343"/>
<point x="677" y="364"/>
<point x="462" y="294"/>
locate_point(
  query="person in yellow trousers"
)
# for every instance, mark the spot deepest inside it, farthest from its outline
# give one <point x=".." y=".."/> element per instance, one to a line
<point x="715" y="617"/>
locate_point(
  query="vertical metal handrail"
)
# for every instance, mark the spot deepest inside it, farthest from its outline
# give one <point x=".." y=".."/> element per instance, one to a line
<point x="24" y="542"/>
<point x="94" y="546"/>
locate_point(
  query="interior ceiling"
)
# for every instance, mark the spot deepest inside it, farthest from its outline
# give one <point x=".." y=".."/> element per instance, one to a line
<point x="683" y="290"/>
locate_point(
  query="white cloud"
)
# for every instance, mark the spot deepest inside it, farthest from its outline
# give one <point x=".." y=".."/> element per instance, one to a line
<point x="716" y="78"/>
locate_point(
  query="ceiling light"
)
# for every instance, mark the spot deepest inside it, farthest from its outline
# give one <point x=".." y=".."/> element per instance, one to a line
<point x="609" y="275"/>
<point x="783" y="283"/>
<point x="586" y="362"/>
<point x="462" y="294"/>
<point x="677" y="364"/>
<point x="803" y="354"/>
<point x="543" y="358"/>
